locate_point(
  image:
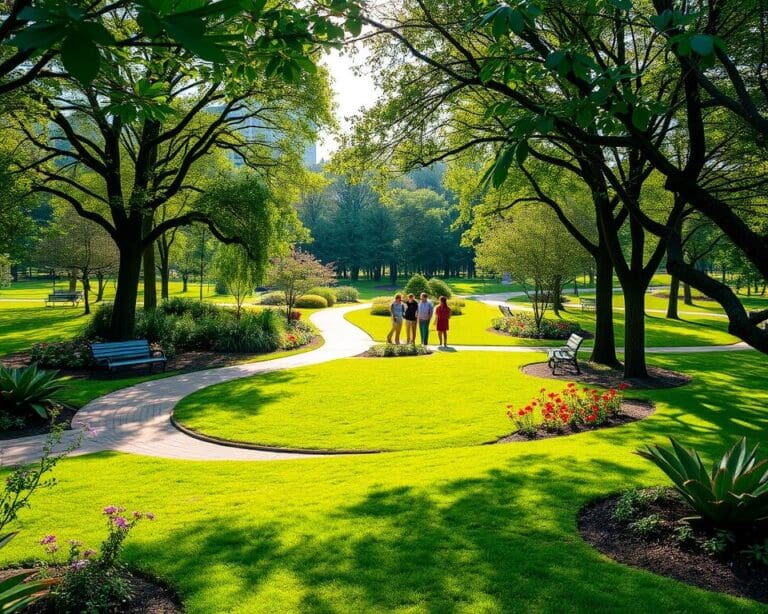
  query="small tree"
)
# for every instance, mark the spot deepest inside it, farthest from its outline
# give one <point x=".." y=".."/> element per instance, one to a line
<point x="296" y="274"/>
<point x="5" y="271"/>
<point x="416" y="285"/>
<point x="80" y="246"/>
<point x="537" y="252"/>
<point x="236" y="271"/>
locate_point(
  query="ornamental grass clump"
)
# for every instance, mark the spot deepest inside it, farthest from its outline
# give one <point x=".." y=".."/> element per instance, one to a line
<point x="733" y="495"/>
<point x="571" y="407"/>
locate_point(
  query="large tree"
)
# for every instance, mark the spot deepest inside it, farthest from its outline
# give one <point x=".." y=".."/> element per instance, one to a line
<point x="144" y="156"/>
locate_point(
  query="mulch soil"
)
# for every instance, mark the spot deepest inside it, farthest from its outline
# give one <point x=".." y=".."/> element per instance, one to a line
<point x="631" y="411"/>
<point x="733" y="573"/>
<point x="148" y="598"/>
<point x="41" y="427"/>
<point x="593" y="375"/>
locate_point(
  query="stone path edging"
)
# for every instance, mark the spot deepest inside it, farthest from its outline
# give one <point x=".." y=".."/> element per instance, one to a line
<point x="137" y="419"/>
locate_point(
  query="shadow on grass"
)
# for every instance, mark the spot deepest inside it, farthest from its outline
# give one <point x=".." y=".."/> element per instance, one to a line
<point x="505" y="541"/>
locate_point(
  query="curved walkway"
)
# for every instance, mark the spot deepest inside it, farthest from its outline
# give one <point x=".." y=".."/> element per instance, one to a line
<point x="137" y="419"/>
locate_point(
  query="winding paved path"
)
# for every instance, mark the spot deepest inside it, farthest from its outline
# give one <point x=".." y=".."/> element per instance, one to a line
<point x="137" y="419"/>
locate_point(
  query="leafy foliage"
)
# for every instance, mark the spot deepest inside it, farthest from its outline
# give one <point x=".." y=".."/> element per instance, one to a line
<point x="295" y="274"/>
<point x="329" y="294"/>
<point x="524" y="325"/>
<point x="416" y="285"/>
<point x="437" y="288"/>
<point x="311" y="301"/>
<point x="388" y="350"/>
<point x="734" y="494"/>
<point x="347" y="294"/>
<point x="24" y="391"/>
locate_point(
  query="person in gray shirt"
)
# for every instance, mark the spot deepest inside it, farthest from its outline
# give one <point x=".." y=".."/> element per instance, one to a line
<point x="424" y="315"/>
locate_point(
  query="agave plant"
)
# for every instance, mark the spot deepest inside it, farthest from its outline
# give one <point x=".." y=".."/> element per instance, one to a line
<point x="22" y="390"/>
<point x="733" y="495"/>
<point x="20" y="589"/>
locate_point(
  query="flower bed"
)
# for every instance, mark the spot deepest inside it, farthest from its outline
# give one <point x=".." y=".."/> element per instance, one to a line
<point x="524" y="325"/>
<point x="571" y="408"/>
<point x="387" y="350"/>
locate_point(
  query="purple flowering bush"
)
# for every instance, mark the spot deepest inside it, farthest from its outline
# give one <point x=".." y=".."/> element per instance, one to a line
<point x="94" y="581"/>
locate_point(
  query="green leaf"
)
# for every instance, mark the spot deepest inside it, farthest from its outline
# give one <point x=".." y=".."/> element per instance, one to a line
<point x="81" y="58"/>
<point x="554" y="59"/>
<point x="703" y="44"/>
<point x="641" y="117"/>
<point x="354" y="25"/>
<point x="521" y="151"/>
<point x="623" y="5"/>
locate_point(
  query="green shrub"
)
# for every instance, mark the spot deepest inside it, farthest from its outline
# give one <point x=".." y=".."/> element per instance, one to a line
<point x="347" y="294"/>
<point x="647" y="525"/>
<point x="98" y="326"/>
<point x="386" y="350"/>
<point x="272" y="298"/>
<point x="75" y="354"/>
<point x="380" y="305"/>
<point x="438" y="288"/>
<point x="329" y="294"/>
<point x="733" y="495"/>
<point x="220" y="288"/>
<point x="311" y="301"/>
<point x="416" y="285"/>
<point x="27" y="391"/>
<point x="456" y="307"/>
<point x="182" y="325"/>
<point x="633" y="502"/>
<point x="524" y="325"/>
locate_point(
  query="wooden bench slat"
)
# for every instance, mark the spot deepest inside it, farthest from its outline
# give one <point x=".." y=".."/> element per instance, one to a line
<point x="125" y="353"/>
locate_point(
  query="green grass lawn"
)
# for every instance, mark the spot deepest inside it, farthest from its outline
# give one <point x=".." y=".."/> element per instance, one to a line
<point x="471" y="328"/>
<point x="475" y="529"/>
<point x="407" y="403"/>
<point x="24" y="324"/>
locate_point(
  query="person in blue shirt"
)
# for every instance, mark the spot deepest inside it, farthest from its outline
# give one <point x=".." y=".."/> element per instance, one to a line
<point x="424" y="315"/>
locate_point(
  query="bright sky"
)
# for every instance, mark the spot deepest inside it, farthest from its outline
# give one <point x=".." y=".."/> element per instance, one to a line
<point x="351" y="93"/>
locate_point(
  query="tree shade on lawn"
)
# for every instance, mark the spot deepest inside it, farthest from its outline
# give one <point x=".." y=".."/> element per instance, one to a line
<point x="471" y="328"/>
<point x="485" y="528"/>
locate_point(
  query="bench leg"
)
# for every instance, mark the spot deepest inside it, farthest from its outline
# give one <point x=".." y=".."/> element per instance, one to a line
<point x="576" y="364"/>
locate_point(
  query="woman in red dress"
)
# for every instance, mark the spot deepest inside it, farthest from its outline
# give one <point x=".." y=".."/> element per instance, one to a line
<point x="442" y="315"/>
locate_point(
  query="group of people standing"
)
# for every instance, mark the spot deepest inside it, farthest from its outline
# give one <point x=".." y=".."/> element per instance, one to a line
<point x="412" y="312"/>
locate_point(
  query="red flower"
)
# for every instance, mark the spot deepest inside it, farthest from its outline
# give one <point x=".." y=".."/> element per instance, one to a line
<point x="521" y="412"/>
<point x="624" y="386"/>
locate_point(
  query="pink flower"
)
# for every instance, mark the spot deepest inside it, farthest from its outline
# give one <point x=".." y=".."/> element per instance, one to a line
<point x="149" y="516"/>
<point x="110" y="509"/>
<point x="48" y="539"/>
<point x="121" y="522"/>
<point x="78" y="565"/>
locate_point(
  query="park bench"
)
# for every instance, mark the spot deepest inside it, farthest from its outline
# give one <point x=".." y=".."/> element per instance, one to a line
<point x="587" y="304"/>
<point x="64" y="296"/>
<point x="566" y="354"/>
<point x="505" y="311"/>
<point x="116" y="354"/>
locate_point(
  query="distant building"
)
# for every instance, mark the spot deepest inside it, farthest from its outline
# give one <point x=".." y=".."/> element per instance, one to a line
<point x="251" y="128"/>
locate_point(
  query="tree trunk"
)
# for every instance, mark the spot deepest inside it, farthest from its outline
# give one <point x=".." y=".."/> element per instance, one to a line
<point x="184" y="282"/>
<point x="557" y="295"/>
<point x="124" y="309"/>
<point x="634" y="329"/>
<point x="354" y="273"/>
<point x="101" y="287"/>
<point x="150" y="273"/>
<point x="604" y="350"/>
<point x="15" y="272"/>
<point x="687" y="298"/>
<point x="86" y="292"/>
<point x="674" y="295"/>
<point x="377" y="273"/>
<point x="165" y="274"/>
<point x="73" y="280"/>
<point x="393" y="273"/>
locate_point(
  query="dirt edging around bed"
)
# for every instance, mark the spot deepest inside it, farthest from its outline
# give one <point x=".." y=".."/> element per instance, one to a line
<point x="662" y="554"/>
<point x="610" y="378"/>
